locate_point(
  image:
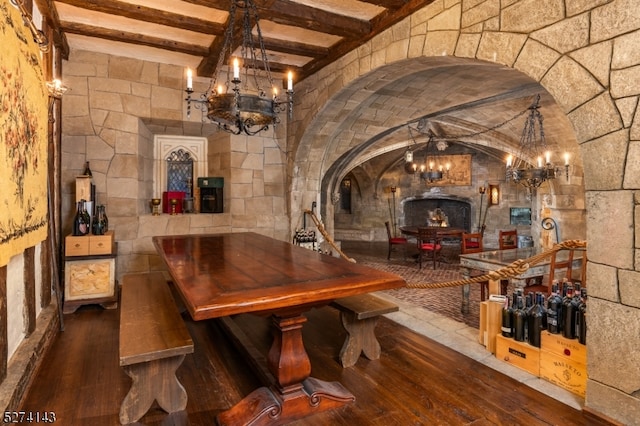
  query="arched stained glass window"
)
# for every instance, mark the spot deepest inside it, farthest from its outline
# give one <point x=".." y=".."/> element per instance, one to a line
<point x="180" y="172"/>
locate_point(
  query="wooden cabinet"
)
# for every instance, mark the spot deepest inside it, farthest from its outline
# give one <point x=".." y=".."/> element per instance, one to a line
<point x="90" y="271"/>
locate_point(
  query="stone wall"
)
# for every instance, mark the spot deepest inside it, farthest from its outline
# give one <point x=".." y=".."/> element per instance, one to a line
<point x="113" y="110"/>
<point x="585" y="54"/>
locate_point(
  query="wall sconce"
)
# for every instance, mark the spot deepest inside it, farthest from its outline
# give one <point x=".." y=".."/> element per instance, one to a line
<point x="56" y="90"/>
<point x="494" y="195"/>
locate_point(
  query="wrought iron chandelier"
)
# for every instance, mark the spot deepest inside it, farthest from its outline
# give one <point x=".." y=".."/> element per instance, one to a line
<point x="241" y="105"/>
<point x="533" y="147"/>
<point x="433" y="169"/>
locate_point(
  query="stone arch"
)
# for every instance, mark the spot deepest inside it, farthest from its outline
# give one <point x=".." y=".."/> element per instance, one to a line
<point x="568" y="48"/>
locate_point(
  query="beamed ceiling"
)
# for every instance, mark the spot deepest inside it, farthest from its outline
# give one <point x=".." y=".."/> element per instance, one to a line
<point x="300" y="35"/>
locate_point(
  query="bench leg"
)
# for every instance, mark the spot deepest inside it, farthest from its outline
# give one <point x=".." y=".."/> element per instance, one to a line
<point x="153" y="380"/>
<point x="360" y="339"/>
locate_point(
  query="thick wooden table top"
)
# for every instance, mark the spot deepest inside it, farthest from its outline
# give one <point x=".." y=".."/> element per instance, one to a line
<point x="226" y="274"/>
<point x="495" y="259"/>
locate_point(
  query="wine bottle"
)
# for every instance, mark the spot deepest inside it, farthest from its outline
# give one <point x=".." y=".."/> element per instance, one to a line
<point x="519" y="321"/>
<point x="534" y="322"/>
<point x="554" y="309"/>
<point x="581" y="322"/>
<point x="569" y="315"/>
<point x="507" y="319"/>
<point x="80" y="224"/>
<point x="98" y="226"/>
<point x="87" y="170"/>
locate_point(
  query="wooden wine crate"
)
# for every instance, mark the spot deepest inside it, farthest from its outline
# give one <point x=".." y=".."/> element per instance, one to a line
<point x="569" y="349"/>
<point x="89" y="245"/>
<point x="101" y="244"/>
<point x="76" y="246"/>
<point x="563" y="372"/>
<point x="520" y="354"/>
<point x="83" y="188"/>
<point x="490" y="324"/>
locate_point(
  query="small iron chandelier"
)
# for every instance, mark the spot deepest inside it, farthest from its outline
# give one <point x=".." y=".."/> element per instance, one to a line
<point x="432" y="170"/>
<point x="533" y="146"/>
<point x="233" y="105"/>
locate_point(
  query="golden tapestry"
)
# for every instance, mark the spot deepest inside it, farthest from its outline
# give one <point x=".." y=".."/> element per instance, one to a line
<point x="23" y="138"/>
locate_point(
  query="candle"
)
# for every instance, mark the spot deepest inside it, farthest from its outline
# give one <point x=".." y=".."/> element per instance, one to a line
<point x="275" y="92"/>
<point x="236" y="69"/>
<point x="509" y="160"/>
<point x="566" y="158"/>
<point x="189" y="79"/>
<point x="539" y="162"/>
<point x="448" y="166"/>
<point x="548" y="157"/>
<point x="220" y="89"/>
<point x="57" y="84"/>
<point x="431" y="166"/>
<point x="290" y="82"/>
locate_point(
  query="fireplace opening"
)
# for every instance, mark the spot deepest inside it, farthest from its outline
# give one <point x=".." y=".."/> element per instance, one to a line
<point x="417" y="212"/>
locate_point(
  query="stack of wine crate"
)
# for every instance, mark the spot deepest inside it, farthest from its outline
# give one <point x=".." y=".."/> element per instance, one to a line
<point x="559" y="360"/>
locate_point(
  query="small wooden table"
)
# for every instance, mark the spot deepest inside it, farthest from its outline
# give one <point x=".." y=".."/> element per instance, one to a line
<point x="227" y="274"/>
<point x="493" y="260"/>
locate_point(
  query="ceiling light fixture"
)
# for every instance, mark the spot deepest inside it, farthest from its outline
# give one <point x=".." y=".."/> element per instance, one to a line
<point x="533" y="148"/>
<point x="433" y="169"/>
<point x="233" y="104"/>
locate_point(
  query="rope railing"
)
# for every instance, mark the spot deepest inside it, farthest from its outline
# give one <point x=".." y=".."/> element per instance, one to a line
<point x="512" y="270"/>
<point x="327" y="237"/>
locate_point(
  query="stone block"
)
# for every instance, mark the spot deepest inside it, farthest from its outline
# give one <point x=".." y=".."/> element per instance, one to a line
<point x="596" y="59"/>
<point x="574" y="91"/>
<point x="629" y="288"/>
<point x="502" y="48"/>
<point x="624" y="82"/>
<point x="613" y="19"/>
<point x="616" y="364"/>
<point x="536" y="59"/>
<point x="480" y="12"/>
<point x="602" y="107"/>
<point x="526" y="16"/>
<point x="609" y="228"/>
<point x="602" y="282"/>
<point x="608" y="399"/>
<point x="611" y="150"/>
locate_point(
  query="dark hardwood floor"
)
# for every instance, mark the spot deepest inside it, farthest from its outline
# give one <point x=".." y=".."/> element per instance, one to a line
<point x="417" y="381"/>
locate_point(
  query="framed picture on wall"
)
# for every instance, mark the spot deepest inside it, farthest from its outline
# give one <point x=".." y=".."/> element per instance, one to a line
<point x="520" y="216"/>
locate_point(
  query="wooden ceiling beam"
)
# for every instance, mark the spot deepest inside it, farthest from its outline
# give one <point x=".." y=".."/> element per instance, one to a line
<point x="387" y="4"/>
<point x="147" y="14"/>
<point x="294" y="48"/>
<point x="298" y="15"/>
<point x="135" y="38"/>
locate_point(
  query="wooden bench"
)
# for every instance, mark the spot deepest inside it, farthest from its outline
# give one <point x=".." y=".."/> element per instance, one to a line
<point x="359" y="315"/>
<point x="153" y="343"/>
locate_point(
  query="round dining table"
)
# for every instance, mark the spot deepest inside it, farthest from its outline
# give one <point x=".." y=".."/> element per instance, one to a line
<point x="447" y="233"/>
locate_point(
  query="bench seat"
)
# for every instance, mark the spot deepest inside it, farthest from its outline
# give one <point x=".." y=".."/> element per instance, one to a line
<point x="153" y="343"/>
<point x="359" y="315"/>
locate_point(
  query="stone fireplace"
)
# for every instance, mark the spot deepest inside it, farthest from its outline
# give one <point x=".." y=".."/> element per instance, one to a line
<point x="457" y="210"/>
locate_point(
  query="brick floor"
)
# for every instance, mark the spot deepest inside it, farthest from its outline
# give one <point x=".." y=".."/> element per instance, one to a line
<point x="445" y="301"/>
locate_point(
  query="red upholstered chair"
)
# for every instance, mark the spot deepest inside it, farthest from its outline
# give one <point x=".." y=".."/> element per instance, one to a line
<point x="472" y="243"/>
<point x="394" y="241"/>
<point x="428" y="242"/>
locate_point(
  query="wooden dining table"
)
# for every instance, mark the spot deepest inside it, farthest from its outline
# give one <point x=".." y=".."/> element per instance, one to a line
<point x="221" y="275"/>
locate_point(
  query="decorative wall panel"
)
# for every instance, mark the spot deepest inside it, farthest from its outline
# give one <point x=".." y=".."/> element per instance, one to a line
<point x="23" y="138"/>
